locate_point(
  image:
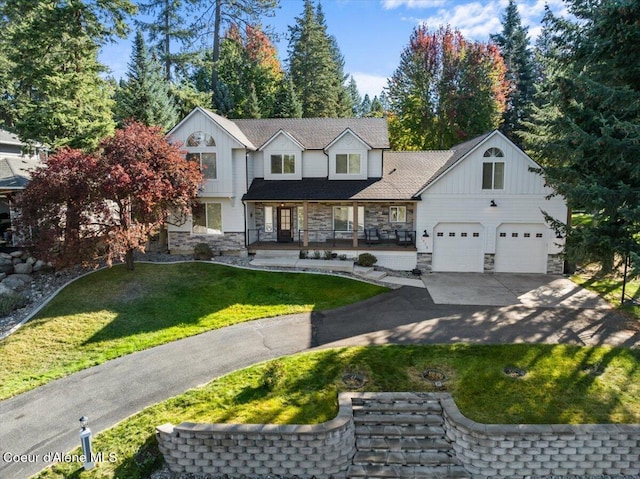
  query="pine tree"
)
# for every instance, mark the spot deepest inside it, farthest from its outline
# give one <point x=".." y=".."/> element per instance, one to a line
<point x="365" y="106"/>
<point x="377" y="111"/>
<point x="314" y="66"/>
<point x="286" y="103"/>
<point x="145" y="95"/>
<point x="356" y="99"/>
<point x="167" y="26"/>
<point x="513" y="42"/>
<point x="586" y="130"/>
<point x="58" y="96"/>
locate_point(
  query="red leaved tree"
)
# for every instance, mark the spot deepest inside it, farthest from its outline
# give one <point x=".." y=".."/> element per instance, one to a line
<point x="79" y="207"/>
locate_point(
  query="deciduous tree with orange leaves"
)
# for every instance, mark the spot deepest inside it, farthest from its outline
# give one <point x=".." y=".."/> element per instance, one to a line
<point x="445" y="91"/>
<point x="82" y="207"/>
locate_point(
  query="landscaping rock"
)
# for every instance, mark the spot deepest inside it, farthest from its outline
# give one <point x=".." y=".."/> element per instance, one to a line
<point x="30" y="260"/>
<point x="16" y="281"/>
<point x="6" y="268"/>
<point x="5" y="289"/>
<point x="16" y="254"/>
<point x="23" y="268"/>
<point x="38" y="265"/>
<point x="2" y="276"/>
<point x="4" y="255"/>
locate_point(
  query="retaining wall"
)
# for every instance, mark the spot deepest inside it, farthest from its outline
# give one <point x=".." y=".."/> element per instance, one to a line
<point x="326" y="450"/>
<point x="320" y="450"/>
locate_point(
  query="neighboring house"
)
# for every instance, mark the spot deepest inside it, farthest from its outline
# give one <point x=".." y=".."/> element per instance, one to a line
<point x="14" y="176"/>
<point x="320" y="184"/>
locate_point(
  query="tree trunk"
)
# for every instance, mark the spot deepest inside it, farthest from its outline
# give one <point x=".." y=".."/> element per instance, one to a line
<point x="167" y="42"/>
<point x="129" y="260"/>
<point x="215" y="53"/>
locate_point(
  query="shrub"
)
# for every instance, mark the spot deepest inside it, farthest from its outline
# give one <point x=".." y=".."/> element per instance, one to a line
<point x="343" y="257"/>
<point x="316" y="255"/>
<point x="327" y="254"/>
<point x="367" y="259"/>
<point x="272" y="375"/>
<point x="304" y="254"/>
<point x="202" y="251"/>
<point x="9" y="302"/>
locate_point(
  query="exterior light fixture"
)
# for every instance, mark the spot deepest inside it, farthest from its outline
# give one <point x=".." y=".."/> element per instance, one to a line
<point x="425" y="234"/>
<point x="493" y="203"/>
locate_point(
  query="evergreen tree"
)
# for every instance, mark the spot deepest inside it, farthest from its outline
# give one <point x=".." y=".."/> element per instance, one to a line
<point x="356" y="99"/>
<point x="314" y="66"/>
<point x="365" y="106"/>
<point x="166" y="26"/>
<point x="286" y="103"/>
<point x="145" y="95"/>
<point x="57" y="94"/>
<point x="513" y="42"/>
<point x="586" y="133"/>
<point x="377" y="111"/>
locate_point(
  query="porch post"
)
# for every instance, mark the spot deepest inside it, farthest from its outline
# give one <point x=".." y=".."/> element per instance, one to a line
<point x="305" y="221"/>
<point x="355" y="224"/>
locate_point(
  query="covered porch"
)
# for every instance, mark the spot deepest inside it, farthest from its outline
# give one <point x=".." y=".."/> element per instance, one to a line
<point x="336" y="225"/>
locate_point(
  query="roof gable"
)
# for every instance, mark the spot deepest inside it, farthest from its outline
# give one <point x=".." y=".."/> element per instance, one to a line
<point x="281" y="133"/>
<point x="225" y="124"/>
<point x="346" y="132"/>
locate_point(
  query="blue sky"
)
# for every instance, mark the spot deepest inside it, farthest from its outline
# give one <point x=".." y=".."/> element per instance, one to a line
<point x="371" y="34"/>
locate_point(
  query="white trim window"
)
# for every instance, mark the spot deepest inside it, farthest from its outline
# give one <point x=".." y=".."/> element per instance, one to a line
<point x="207" y="219"/>
<point x="207" y="162"/>
<point x="343" y="218"/>
<point x="283" y="164"/>
<point x="493" y="171"/>
<point x="397" y="214"/>
<point x="348" y="163"/>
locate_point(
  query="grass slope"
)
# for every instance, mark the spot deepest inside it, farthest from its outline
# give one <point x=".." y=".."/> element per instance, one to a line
<point x="558" y="388"/>
<point x="114" y="312"/>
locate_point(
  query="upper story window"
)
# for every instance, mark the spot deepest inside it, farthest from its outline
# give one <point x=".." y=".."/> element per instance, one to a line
<point x="283" y="164"/>
<point x="493" y="171"/>
<point x="201" y="149"/>
<point x="348" y="163"/>
<point x="200" y="138"/>
<point x="207" y="162"/>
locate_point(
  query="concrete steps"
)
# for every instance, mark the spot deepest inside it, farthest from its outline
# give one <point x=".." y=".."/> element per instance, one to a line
<point x="402" y="438"/>
<point x="368" y="273"/>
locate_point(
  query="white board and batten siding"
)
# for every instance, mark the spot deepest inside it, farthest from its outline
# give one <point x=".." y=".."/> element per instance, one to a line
<point x="455" y="207"/>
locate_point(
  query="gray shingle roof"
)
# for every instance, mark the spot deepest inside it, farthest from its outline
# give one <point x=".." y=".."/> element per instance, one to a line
<point x="14" y="172"/>
<point x="316" y="133"/>
<point x="9" y="138"/>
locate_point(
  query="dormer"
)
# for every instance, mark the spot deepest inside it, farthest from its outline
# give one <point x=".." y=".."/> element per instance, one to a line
<point x="348" y="157"/>
<point x="282" y="157"/>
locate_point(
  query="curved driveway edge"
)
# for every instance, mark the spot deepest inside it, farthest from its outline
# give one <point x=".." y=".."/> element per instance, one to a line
<point x="46" y="419"/>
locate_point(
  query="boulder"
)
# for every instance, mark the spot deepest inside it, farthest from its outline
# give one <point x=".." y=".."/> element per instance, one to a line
<point x="23" y="268"/>
<point x="31" y="260"/>
<point x="13" y="282"/>
<point x="4" y="255"/>
<point x="6" y="261"/>
<point x="16" y="254"/>
<point x="39" y="265"/>
<point x="6" y="268"/>
<point x="4" y="289"/>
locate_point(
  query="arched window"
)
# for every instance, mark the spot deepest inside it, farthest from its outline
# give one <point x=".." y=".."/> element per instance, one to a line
<point x="493" y="153"/>
<point x="200" y="138"/>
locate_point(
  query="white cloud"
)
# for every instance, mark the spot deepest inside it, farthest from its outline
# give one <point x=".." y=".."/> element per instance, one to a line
<point x="476" y="20"/>
<point x="391" y="4"/>
<point x="369" y="84"/>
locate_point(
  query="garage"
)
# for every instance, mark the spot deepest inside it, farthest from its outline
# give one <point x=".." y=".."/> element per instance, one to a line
<point x="458" y="247"/>
<point x="521" y="248"/>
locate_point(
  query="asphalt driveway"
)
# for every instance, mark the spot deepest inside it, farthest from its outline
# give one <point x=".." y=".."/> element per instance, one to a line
<point x="45" y="420"/>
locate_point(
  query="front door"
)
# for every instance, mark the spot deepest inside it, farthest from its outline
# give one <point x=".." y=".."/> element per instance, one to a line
<point x="284" y="225"/>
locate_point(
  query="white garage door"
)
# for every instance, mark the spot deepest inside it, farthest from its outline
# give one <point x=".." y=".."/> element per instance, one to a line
<point x="458" y="247"/>
<point x="521" y="248"/>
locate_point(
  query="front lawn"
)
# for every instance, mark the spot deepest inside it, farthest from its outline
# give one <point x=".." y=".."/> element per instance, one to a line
<point x="562" y="384"/>
<point x="609" y="287"/>
<point x="114" y="312"/>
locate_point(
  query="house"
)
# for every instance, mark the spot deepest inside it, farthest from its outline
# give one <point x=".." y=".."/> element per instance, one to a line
<point x="333" y="184"/>
<point x="14" y="176"/>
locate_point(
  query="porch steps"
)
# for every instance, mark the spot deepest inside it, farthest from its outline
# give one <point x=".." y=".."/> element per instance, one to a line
<point x="368" y="273"/>
<point x="304" y="264"/>
<point x="279" y="254"/>
<point x="402" y="437"/>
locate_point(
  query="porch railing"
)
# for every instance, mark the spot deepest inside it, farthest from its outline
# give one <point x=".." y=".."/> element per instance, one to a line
<point x="367" y="237"/>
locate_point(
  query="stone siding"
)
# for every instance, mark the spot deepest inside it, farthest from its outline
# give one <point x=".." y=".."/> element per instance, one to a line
<point x="515" y="451"/>
<point x="555" y="264"/>
<point x="320" y="223"/>
<point x="305" y="451"/>
<point x="424" y="261"/>
<point x="489" y="263"/>
<point x="183" y="242"/>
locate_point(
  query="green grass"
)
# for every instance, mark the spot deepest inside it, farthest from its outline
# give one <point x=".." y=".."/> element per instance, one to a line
<point x="609" y="287"/>
<point x="556" y="389"/>
<point x="114" y="312"/>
